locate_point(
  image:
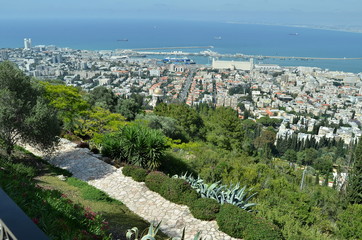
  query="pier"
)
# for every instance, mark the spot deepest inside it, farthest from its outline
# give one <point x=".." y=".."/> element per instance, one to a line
<point x="208" y="53"/>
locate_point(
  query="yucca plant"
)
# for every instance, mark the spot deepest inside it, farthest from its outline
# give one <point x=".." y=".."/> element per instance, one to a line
<point x="137" y="145"/>
<point x="232" y="194"/>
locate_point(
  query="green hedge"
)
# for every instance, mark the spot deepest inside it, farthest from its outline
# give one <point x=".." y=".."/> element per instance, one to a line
<point x="154" y="181"/>
<point x="138" y="174"/>
<point x="242" y="224"/>
<point x="178" y="191"/>
<point x="261" y="229"/>
<point x="205" y="208"/>
<point x="231" y="219"/>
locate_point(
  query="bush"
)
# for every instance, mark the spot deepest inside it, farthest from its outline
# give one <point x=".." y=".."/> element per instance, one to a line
<point x="137" y="145"/>
<point x="154" y="180"/>
<point x="260" y="229"/>
<point x="178" y="191"/>
<point x="205" y="208"/>
<point x="233" y="220"/>
<point x="19" y="169"/>
<point x="128" y="169"/>
<point x="139" y="174"/>
<point x="350" y="222"/>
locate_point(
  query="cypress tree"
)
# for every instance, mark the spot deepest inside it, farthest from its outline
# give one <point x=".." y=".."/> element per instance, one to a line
<point x="354" y="188"/>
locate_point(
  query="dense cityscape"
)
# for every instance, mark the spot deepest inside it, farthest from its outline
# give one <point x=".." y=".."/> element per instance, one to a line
<point x="291" y="134"/>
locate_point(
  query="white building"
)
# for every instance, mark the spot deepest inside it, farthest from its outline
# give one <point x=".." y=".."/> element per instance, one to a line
<point x="27" y="43"/>
<point x="234" y="65"/>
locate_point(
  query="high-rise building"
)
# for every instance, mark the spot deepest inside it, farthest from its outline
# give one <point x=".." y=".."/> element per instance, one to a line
<point x="27" y="43"/>
<point x="4" y="55"/>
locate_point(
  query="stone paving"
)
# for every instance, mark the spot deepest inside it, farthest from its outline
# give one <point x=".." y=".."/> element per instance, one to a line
<point x="136" y="196"/>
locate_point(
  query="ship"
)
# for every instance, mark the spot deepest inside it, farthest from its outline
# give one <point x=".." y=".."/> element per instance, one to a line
<point x="178" y="60"/>
<point x="217" y="38"/>
<point x="122" y="40"/>
<point x="293" y="34"/>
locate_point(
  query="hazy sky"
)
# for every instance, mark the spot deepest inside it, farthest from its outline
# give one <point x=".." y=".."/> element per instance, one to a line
<point x="267" y="11"/>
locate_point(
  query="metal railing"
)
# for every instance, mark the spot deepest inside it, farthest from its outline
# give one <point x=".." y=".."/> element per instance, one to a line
<point x="14" y="224"/>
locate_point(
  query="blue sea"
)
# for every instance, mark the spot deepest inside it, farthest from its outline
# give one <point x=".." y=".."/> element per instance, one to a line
<point x="102" y="34"/>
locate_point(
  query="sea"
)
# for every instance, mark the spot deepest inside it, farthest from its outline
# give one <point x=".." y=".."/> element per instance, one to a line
<point x="249" y="39"/>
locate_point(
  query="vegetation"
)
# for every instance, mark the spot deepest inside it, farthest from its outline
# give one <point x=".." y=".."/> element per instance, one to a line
<point x="209" y="142"/>
<point x="354" y="189"/>
<point x="136" y="144"/>
<point x="205" y="208"/>
<point x="232" y="194"/>
<point x="138" y="174"/>
<point x="24" y="113"/>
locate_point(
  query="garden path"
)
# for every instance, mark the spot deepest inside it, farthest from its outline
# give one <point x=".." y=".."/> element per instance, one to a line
<point x="88" y="167"/>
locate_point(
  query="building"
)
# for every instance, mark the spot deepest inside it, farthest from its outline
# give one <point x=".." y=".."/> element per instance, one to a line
<point x="4" y="55"/>
<point x="27" y="43"/>
<point x="157" y="97"/>
<point x="233" y="65"/>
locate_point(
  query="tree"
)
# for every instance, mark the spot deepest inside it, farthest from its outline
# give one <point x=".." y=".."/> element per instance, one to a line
<point x="128" y="108"/>
<point x="224" y="128"/>
<point x="354" y="188"/>
<point x="24" y="112"/>
<point x="186" y="117"/>
<point x="68" y="101"/>
<point x="102" y="97"/>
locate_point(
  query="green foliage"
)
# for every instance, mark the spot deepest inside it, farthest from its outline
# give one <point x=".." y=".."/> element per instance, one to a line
<point x="350" y="222"/>
<point x="68" y="101"/>
<point x="260" y="229"/>
<point x="129" y="108"/>
<point x="154" y="181"/>
<point x="24" y="112"/>
<point x="205" y="208"/>
<point x="53" y="212"/>
<point x="242" y="224"/>
<point x="138" y="174"/>
<point x="169" y="126"/>
<point x="136" y="145"/>
<point x="187" y="118"/>
<point x="102" y="97"/>
<point x="233" y="220"/>
<point x="151" y="232"/>
<point x="354" y="189"/>
<point x="178" y="191"/>
<point x="269" y="122"/>
<point x="89" y="192"/>
<point x="18" y="169"/>
<point x="224" y="128"/>
<point x="232" y="194"/>
<point x="96" y="122"/>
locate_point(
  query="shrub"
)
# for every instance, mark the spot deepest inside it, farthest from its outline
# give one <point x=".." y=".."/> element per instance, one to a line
<point x="260" y="229"/>
<point x="139" y="174"/>
<point x="350" y="222"/>
<point x="20" y="169"/>
<point x="178" y="191"/>
<point x="137" y="145"/>
<point x="154" y="180"/>
<point x="233" y="220"/>
<point x="205" y="208"/>
<point x="128" y="169"/>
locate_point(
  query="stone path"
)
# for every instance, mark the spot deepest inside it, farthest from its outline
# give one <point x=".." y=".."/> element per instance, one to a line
<point x="136" y="196"/>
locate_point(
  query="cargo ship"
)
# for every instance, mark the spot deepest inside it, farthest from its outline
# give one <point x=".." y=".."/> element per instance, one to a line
<point x="178" y="60"/>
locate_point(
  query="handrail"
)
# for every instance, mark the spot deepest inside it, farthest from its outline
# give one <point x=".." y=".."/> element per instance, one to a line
<point x="15" y="224"/>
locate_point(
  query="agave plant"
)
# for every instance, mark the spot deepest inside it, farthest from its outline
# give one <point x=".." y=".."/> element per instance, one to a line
<point x="232" y="194"/>
<point x="134" y="234"/>
<point x="150" y="235"/>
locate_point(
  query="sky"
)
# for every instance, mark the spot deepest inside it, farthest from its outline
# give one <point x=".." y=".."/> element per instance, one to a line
<point x="318" y="12"/>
